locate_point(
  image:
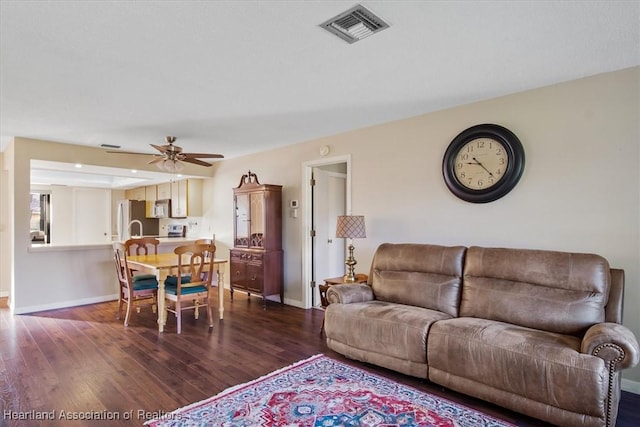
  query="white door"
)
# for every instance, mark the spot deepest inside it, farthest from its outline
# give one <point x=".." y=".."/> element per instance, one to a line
<point x="92" y="215"/>
<point x="328" y="203"/>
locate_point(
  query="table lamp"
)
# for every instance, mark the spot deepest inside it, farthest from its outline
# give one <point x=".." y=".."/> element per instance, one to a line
<point x="350" y="227"/>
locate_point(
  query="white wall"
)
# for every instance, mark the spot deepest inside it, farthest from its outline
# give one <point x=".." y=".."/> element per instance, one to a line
<point x="5" y="226"/>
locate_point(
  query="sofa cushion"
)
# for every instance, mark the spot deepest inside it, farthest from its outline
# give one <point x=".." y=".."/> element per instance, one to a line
<point x="399" y="331"/>
<point x="553" y="291"/>
<point x="542" y="366"/>
<point x="427" y="276"/>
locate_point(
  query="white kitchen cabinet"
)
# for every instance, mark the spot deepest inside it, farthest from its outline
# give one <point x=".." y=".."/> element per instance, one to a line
<point x="186" y="198"/>
<point x="137" y="193"/>
<point x="151" y="195"/>
<point x="163" y="191"/>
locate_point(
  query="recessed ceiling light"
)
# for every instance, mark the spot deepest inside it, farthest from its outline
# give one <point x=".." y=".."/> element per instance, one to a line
<point x="134" y="171"/>
<point x="78" y="165"/>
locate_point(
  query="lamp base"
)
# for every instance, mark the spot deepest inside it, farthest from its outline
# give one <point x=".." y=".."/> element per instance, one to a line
<point x="350" y="277"/>
<point x="347" y="278"/>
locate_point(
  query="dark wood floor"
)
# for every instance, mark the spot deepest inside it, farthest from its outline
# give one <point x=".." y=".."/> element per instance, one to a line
<point x="83" y="361"/>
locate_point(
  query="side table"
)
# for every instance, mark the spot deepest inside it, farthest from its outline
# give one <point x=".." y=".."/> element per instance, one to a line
<point x="360" y="278"/>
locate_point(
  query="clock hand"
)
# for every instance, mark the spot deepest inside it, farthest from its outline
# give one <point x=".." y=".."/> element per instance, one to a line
<point x="482" y="166"/>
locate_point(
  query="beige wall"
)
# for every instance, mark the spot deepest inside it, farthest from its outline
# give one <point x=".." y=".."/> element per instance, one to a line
<point x="580" y="190"/>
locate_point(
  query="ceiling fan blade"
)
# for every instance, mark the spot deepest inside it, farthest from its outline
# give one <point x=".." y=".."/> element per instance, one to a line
<point x="202" y="155"/>
<point x="130" y="152"/>
<point x="156" y="160"/>
<point x="160" y="148"/>
<point x="197" y="162"/>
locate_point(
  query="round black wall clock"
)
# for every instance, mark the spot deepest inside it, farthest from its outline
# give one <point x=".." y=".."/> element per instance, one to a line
<point x="483" y="163"/>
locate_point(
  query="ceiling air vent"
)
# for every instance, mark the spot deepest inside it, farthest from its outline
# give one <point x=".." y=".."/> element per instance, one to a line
<point x="109" y="146"/>
<point x="355" y="24"/>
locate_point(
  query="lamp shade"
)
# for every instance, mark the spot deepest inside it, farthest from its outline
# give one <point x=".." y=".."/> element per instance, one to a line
<point x="350" y="226"/>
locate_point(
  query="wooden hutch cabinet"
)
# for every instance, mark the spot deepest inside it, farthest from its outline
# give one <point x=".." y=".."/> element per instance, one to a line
<point x="256" y="257"/>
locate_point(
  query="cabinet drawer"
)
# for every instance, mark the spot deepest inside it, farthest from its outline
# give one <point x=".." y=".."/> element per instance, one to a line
<point x="255" y="278"/>
<point x="239" y="256"/>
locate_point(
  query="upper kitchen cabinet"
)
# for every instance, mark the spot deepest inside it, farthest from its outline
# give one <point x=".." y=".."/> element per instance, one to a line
<point x="186" y="198"/>
<point x="137" y="193"/>
<point x="151" y="195"/>
<point x="163" y="191"/>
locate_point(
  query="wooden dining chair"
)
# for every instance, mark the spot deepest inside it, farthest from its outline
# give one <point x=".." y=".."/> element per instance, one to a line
<point x="189" y="288"/>
<point x="142" y="246"/>
<point x="140" y="293"/>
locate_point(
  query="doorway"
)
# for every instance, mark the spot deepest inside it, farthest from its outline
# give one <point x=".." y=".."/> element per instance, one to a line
<point x="323" y="254"/>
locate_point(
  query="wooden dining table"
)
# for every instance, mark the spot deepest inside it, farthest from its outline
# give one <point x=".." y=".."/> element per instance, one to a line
<point x="161" y="265"/>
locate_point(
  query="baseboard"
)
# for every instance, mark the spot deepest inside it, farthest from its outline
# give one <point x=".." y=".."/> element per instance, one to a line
<point x="4" y="294"/>
<point x="293" y="302"/>
<point x="64" y="304"/>
<point x="631" y="386"/>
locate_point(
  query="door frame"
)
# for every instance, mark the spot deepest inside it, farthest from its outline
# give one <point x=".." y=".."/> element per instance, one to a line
<point x="334" y="253"/>
<point x="307" y="212"/>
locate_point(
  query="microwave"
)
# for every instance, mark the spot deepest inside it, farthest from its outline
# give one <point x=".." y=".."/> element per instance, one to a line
<point x="162" y="209"/>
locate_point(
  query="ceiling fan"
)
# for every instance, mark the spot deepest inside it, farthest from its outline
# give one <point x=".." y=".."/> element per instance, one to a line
<point x="171" y="156"/>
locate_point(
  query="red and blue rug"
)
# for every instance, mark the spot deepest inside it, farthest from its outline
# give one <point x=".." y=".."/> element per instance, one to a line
<point x="321" y="391"/>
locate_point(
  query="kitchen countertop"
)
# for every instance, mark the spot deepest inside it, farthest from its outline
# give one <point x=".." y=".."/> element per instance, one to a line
<point x="50" y="247"/>
<point x="174" y="239"/>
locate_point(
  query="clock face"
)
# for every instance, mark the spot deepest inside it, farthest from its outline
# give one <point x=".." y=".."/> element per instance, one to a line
<point x="481" y="163"/>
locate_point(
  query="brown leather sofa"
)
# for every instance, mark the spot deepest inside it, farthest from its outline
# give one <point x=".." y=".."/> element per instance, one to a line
<point x="538" y="332"/>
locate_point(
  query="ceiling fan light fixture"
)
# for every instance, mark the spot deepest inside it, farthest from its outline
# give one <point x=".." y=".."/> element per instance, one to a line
<point x="170" y="165"/>
<point x="171" y="156"/>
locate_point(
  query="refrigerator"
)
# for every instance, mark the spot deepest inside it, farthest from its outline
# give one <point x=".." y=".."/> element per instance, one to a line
<point x="134" y="210"/>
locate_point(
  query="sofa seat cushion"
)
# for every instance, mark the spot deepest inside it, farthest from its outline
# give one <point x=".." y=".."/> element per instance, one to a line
<point x="395" y="330"/>
<point x="541" y="366"/>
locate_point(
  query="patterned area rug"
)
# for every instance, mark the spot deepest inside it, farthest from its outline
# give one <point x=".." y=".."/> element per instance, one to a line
<point x="321" y="391"/>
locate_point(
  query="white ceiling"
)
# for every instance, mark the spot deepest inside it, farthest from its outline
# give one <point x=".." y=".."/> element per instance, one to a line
<point x="47" y="173"/>
<point x="236" y="77"/>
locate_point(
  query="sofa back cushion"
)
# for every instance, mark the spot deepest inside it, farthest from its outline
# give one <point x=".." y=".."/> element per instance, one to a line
<point x="554" y="291"/>
<point x="426" y="276"/>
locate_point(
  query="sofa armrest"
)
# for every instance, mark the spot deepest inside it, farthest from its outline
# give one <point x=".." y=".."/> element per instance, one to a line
<point x="612" y="342"/>
<point x="348" y="293"/>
